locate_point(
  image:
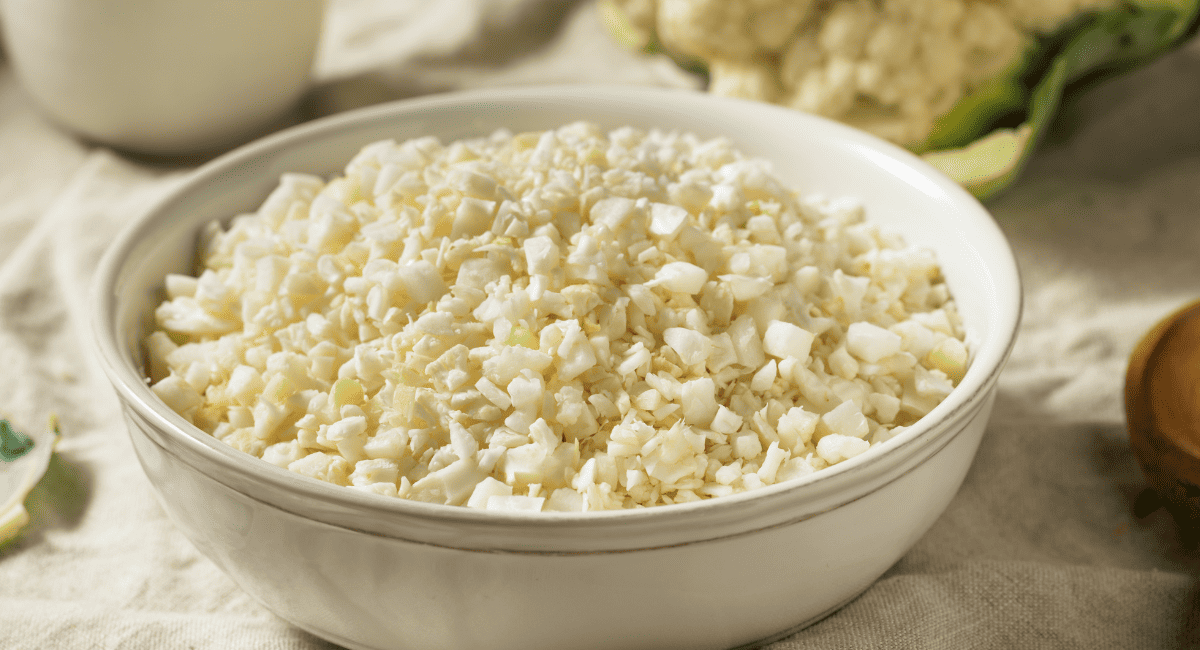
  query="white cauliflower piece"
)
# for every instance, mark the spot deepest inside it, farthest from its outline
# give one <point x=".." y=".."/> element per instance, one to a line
<point x="871" y="343"/>
<point x="485" y="490"/>
<point x="796" y="427"/>
<point x="835" y="448"/>
<point x="847" y="420"/>
<point x="692" y="347"/>
<point x="178" y="394"/>
<point x="451" y="485"/>
<point x="283" y="454"/>
<point x="786" y="340"/>
<point x="323" y="467"/>
<point x="541" y="255"/>
<point x="378" y="470"/>
<point x="680" y="277"/>
<point x="699" y="401"/>
<point x="515" y="503"/>
<point x="667" y="220"/>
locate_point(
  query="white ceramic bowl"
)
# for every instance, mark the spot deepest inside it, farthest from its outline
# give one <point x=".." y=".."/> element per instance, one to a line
<point x="367" y="571"/>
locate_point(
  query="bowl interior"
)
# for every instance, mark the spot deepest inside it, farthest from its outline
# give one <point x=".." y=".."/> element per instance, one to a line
<point x="811" y="154"/>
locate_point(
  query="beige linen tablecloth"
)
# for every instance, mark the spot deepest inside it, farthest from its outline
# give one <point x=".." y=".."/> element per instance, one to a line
<point x="1040" y="548"/>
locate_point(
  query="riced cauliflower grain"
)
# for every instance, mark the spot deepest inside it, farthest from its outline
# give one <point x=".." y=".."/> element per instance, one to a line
<point x="571" y="320"/>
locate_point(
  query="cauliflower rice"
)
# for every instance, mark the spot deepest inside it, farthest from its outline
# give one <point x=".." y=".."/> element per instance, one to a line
<point x="560" y="321"/>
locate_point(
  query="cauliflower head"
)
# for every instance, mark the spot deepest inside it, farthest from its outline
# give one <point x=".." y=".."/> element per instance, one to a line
<point x="929" y="75"/>
<point x="890" y="67"/>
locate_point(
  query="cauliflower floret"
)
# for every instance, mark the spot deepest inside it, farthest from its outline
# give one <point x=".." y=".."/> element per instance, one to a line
<point x="716" y="29"/>
<point x="746" y="79"/>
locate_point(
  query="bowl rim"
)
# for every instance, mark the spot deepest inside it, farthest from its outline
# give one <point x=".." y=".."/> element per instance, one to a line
<point x="988" y="359"/>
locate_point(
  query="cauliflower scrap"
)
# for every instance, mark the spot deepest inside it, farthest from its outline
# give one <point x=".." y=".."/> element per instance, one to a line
<point x="559" y="321"/>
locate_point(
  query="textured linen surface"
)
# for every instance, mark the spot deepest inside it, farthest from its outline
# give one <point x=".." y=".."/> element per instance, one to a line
<point x="1039" y="549"/>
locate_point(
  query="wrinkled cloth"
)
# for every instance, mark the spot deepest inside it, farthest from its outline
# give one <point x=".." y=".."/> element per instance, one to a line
<point x="1041" y="547"/>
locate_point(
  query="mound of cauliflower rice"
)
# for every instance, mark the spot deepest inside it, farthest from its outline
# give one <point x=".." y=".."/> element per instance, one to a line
<point x="569" y="320"/>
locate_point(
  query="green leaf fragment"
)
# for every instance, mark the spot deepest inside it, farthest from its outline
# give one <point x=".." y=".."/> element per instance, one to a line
<point x="1098" y="46"/>
<point x="23" y="463"/>
<point x="523" y="337"/>
<point x="347" y="391"/>
<point x="975" y="115"/>
<point x="13" y="443"/>
<point x="987" y="165"/>
<point x="622" y="29"/>
<point x="1117" y="40"/>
